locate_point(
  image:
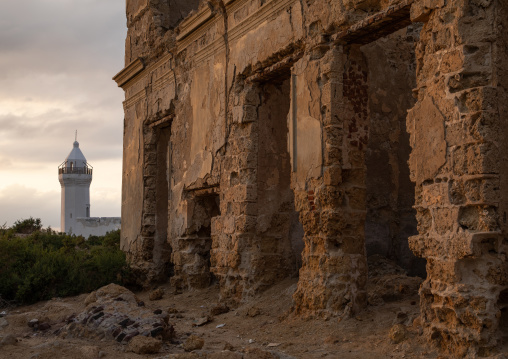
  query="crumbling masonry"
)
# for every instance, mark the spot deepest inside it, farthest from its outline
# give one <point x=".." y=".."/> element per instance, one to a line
<point x="265" y="139"/>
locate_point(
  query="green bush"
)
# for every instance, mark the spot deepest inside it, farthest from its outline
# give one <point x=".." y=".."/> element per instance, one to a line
<point x="45" y="264"/>
<point x="27" y="226"/>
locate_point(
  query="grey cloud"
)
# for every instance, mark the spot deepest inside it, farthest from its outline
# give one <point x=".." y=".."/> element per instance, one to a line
<point x="62" y="33"/>
<point x="49" y="137"/>
<point x="20" y="202"/>
<point x="61" y="54"/>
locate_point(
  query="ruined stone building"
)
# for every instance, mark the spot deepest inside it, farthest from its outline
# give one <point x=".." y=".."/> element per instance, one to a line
<point x="265" y="139"/>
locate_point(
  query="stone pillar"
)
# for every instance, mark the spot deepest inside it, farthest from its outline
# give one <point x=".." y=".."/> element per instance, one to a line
<point x="456" y="163"/>
<point x="333" y="206"/>
<point x="252" y="237"/>
<point x="233" y="231"/>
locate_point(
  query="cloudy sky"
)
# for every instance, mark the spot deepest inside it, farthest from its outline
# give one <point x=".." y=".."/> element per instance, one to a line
<point x="57" y="58"/>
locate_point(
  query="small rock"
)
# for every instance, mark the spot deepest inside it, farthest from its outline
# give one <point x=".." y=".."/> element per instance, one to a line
<point x="102" y="354"/>
<point x="398" y="333"/>
<point x="156" y="294"/>
<point x="3" y="323"/>
<point x="3" y="314"/>
<point x="193" y="343"/>
<point x="33" y="323"/>
<point x="220" y="326"/>
<point x="141" y="303"/>
<point x="201" y="321"/>
<point x="273" y="345"/>
<point x="89" y="352"/>
<point x="144" y="345"/>
<point x="253" y="312"/>
<point x="9" y="339"/>
<point x="251" y="341"/>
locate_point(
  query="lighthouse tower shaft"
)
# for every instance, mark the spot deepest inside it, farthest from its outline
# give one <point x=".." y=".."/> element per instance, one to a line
<point x="75" y="176"/>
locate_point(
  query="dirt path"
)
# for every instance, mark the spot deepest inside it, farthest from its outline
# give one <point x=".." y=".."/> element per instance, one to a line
<point x="256" y="328"/>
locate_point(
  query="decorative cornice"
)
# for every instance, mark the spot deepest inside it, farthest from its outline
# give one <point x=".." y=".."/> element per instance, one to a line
<point x="124" y="76"/>
<point x="373" y="27"/>
<point x="132" y="100"/>
<point x="217" y="46"/>
<point x="262" y="14"/>
<point x="192" y="23"/>
<point x="168" y="76"/>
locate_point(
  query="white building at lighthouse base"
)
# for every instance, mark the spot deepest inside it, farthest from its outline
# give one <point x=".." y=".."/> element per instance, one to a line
<point x="96" y="226"/>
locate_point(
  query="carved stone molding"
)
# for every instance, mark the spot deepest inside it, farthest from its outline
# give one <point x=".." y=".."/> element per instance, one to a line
<point x="124" y="76"/>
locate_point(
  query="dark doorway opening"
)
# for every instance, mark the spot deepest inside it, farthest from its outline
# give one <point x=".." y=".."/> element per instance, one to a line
<point x="162" y="248"/>
<point x="391" y="218"/>
<point x="205" y="205"/>
<point x="279" y="231"/>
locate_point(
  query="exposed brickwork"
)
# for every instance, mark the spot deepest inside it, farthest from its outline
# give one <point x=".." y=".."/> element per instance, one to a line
<point x="457" y="178"/>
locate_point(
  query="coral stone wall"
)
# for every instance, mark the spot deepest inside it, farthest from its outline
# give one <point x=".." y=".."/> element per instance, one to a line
<point x="456" y="163"/>
<point x="258" y="143"/>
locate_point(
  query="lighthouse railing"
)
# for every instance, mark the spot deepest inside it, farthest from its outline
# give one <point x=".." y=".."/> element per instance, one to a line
<point x="65" y="169"/>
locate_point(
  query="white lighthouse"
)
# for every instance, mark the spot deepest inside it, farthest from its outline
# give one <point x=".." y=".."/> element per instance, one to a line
<point x="75" y="176"/>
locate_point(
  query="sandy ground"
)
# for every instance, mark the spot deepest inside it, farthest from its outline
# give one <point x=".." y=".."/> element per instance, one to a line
<point x="264" y="324"/>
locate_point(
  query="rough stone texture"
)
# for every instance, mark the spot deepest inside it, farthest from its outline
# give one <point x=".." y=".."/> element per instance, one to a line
<point x="193" y="343"/>
<point x="268" y="138"/>
<point x="144" y="345"/>
<point x="398" y="333"/>
<point x="458" y="188"/>
<point x="112" y="312"/>
<point x="156" y="294"/>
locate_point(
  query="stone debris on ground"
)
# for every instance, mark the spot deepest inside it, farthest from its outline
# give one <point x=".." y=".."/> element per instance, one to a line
<point x="398" y="333"/>
<point x="114" y="313"/>
<point x="144" y="345"/>
<point x="157" y="294"/>
<point x="243" y="337"/>
<point x="193" y="343"/>
<point x="202" y="321"/>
